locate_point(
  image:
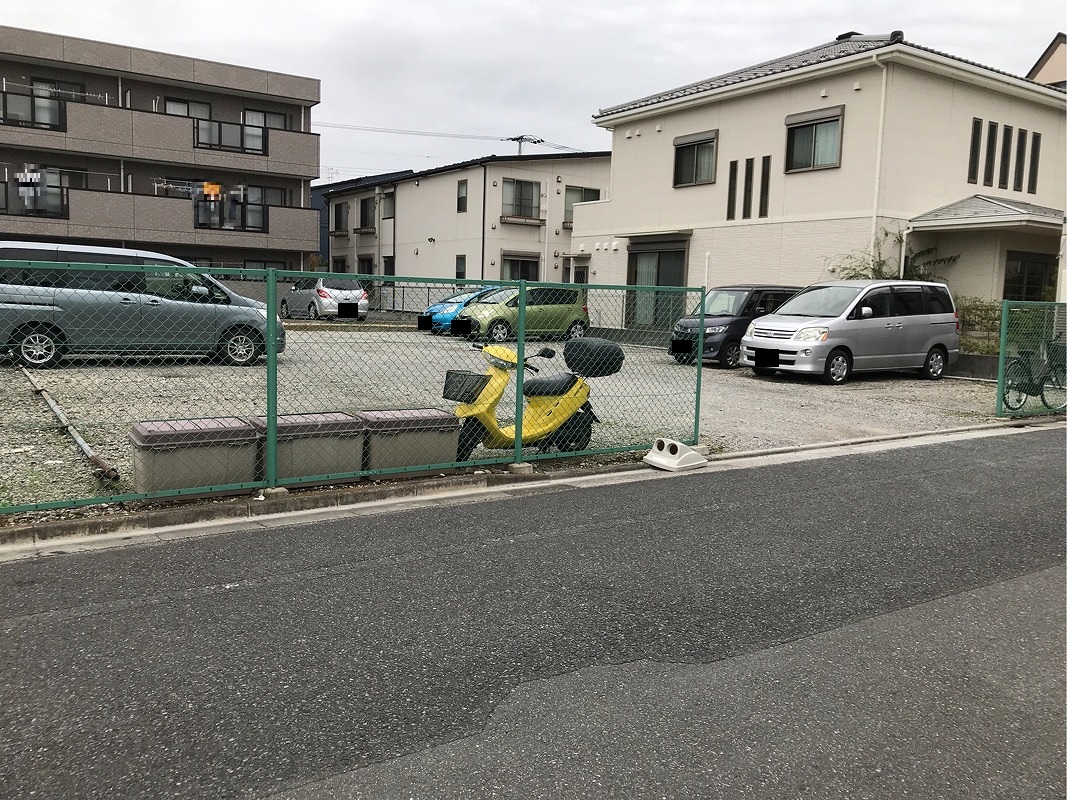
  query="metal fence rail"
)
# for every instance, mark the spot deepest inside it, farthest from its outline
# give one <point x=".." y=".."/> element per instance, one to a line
<point x="166" y="382"/>
<point x="1032" y="369"/>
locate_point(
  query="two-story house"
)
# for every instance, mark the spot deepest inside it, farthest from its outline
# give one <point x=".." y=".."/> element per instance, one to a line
<point x="112" y="145"/>
<point x="492" y="218"/>
<point x="772" y="172"/>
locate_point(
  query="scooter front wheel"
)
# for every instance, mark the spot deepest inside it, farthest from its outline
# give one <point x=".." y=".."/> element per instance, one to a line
<point x="472" y="432"/>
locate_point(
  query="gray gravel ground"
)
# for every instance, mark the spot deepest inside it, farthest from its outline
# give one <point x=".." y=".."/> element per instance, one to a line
<point x="344" y="369"/>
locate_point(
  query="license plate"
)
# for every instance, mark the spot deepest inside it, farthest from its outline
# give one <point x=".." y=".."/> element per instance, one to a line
<point x="766" y="358"/>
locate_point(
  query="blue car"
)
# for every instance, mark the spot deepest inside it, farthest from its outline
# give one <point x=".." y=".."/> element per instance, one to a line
<point x="437" y="319"/>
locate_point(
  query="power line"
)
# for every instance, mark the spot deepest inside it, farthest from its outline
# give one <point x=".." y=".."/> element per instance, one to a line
<point x="524" y="138"/>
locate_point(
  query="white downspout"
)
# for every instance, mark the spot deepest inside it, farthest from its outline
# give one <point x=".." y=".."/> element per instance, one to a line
<point x="878" y="156"/>
<point x="903" y="249"/>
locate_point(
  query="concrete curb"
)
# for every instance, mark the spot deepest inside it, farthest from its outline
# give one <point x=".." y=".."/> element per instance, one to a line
<point x="245" y="507"/>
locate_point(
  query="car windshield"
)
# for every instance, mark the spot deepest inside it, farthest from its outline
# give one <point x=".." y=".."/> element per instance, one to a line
<point x="820" y="301"/>
<point x="341" y="284"/>
<point x="723" y="302"/>
<point x="499" y="296"/>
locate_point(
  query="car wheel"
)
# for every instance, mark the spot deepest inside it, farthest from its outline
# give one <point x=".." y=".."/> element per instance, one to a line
<point x="499" y="331"/>
<point x="934" y="366"/>
<point x="38" y="347"/>
<point x="576" y="330"/>
<point x="469" y="436"/>
<point x="838" y="367"/>
<point x="284" y="311"/>
<point x="730" y="355"/>
<point x="241" y="347"/>
<point x="313" y="311"/>
<point x="764" y="372"/>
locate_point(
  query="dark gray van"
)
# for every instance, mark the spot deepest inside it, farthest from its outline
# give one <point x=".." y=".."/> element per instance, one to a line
<point x="49" y="308"/>
<point x="726" y="314"/>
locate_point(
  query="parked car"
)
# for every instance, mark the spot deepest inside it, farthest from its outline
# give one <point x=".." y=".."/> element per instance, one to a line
<point x="438" y="317"/>
<point x="550" y="311"/>
<point x="50" y="309"/>
<point x="326" y="297"/>
<point x="726" y="314"/>
<point x="839" y="327"/>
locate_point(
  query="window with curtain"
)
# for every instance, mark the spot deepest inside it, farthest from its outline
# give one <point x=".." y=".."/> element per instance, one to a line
<point x="522" y="198"/>
<point x="694" y="158"/>
<point x="813" y="139"/>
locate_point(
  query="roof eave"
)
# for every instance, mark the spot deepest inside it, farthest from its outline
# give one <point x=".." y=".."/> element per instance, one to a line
<point x="989" y="223"/>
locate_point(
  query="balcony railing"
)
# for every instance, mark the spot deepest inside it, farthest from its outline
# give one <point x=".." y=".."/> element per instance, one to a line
<point x="44" y="201"/>
<point x="32" y="111"/>
<point x="230" y="216"/>
<point x="230" y="136"/>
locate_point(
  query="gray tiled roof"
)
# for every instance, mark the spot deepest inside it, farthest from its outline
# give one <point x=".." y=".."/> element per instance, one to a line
<point x="981" y="206"/>
<point x="842" y="47"/>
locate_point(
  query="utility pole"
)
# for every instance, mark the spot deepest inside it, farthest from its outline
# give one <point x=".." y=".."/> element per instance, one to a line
<point x="522" y="139"/>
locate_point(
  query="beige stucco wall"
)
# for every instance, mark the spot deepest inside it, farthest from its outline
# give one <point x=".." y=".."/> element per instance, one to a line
<point x="896" y="163"/>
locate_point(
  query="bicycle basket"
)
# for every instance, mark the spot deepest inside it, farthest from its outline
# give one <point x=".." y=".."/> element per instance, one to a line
<point x="1057" y="353"/>
<point x="463" y="386"/>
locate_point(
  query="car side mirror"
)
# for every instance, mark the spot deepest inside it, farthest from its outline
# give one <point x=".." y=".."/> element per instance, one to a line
<point x="199" y="291"/>
<point x="866" y="312"/>
<point x="760" y="311"/>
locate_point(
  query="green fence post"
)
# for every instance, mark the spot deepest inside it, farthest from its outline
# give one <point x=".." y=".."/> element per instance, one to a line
<point x="1003" y="356"/>
<point x="271" y="349"/>
<point x="520" y="373"/>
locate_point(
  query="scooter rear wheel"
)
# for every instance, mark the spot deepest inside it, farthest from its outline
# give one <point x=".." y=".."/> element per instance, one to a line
<point x="470" y="435"/>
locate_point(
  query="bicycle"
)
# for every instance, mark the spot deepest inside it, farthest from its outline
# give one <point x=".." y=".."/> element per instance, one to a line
<point x="1048" y="381"/>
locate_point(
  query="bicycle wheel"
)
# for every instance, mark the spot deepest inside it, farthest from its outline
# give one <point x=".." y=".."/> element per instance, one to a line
<point x="1053" y="392"/>
<point x="1016" y="377"/>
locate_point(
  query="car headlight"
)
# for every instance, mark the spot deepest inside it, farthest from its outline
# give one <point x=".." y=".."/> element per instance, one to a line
<point x="262" y="312"/>
<point x="816" y="334"/>
<point x="750" y="328"/>
<point x="715" y="329"/>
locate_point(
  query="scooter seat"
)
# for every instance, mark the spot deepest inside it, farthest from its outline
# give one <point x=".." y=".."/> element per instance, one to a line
<point x="550" y="386"/>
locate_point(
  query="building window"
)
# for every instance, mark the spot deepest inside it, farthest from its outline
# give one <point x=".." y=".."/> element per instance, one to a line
<point x="461" y="266"/>
<point x="389" y="265"/>
<point x="1030" y="276"/>
<point x="519" y="268"/>
<point x="461" y="196"/>
<point x="655" y="264"/>
<point x="1020" y="160"/>
<point x="265" y="264"/>
<point x="388" y="205"/>
<point x="266" y="195"/>
<point x="1035" y="158"/>
<point x="187" y="108"/>
<point x="694" y="158"/>
<point x="746" y="197"/>
<point x="366" y="214"/>
<point x="990" y="155"/>
<point x="365" y="265"/>
<point x="576" y="194"/>
<point x="49" y="98"/>
<point x="813" y="139"/>
<point x="265" y="119"/>
<point x="976" y="150"/>
<point x="230" y="136"/>
<point x="522" y="199"/>
<point x="340" y="218"/>
<point x="232" y="210"/>
<point x="1005" y="158"/>
<point x="765" y="186"/>
<point x="731" y="192"/>
<point x="339" y="265"/>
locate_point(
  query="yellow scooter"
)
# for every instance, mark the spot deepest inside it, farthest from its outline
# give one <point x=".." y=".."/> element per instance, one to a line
<point x="557" y="412"/>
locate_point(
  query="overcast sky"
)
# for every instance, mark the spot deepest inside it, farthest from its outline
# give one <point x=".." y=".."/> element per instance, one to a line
<point x="500" y="68"/>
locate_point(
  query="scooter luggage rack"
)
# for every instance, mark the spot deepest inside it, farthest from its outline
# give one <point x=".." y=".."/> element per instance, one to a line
<point x="463" y="386"/>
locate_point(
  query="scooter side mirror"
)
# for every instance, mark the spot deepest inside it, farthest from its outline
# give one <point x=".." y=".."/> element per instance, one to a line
<point x="546" y="352"/>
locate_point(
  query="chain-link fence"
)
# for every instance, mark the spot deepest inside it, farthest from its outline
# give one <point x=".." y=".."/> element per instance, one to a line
<point x="1032" y="362"/>
<point x="131" y="381"/>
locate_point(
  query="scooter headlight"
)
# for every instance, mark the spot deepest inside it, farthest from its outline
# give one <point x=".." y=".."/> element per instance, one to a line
<point x="500" y="363"/>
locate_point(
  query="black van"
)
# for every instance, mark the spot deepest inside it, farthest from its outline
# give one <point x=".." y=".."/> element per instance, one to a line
<point x="727" y="312"/>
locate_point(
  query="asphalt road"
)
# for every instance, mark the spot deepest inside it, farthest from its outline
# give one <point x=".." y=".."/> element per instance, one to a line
<point x="881" y="625"/>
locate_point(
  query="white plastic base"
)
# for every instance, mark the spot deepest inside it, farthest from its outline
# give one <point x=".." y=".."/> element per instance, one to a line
<point x="674" y="456"/>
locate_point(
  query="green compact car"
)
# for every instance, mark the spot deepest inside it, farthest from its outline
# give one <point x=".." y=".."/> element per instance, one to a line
<point x="551" y="311"/>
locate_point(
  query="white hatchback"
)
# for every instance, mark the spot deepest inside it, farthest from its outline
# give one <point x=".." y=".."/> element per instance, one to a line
<point x="326" y="297"/>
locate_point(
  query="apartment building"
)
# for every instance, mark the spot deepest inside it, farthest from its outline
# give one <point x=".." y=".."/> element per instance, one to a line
<point x="112" y="145"/>
<point x="492" y="218"/>
<point x="773" y="172"/>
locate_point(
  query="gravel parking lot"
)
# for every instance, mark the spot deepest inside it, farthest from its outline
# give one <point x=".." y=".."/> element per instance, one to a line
<point x="357" y="368"/>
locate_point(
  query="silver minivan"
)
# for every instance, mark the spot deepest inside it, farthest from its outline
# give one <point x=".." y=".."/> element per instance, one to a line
<point x="48" y="312"/>
<point x="836" y="328"/>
